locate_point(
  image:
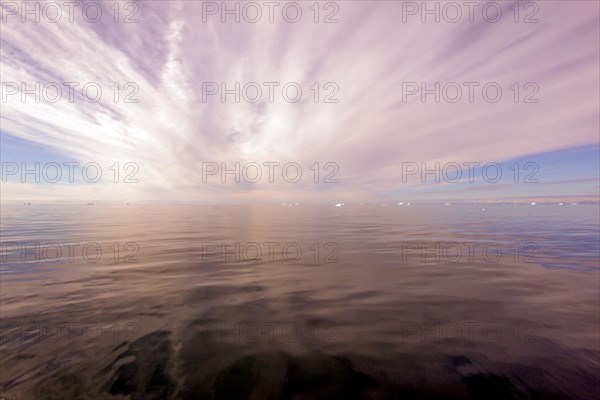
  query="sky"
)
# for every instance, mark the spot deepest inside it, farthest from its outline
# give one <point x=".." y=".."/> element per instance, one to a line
<point x="160" y="121"/>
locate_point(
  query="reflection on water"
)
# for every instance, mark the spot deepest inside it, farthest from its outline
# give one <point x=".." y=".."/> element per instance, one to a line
<point x="303" y="302"/>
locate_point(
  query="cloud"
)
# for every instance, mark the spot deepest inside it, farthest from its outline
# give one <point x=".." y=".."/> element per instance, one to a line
<point x="368" y="55"/>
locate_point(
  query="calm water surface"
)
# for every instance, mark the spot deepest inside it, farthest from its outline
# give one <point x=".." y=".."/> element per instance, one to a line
<point x="301" y="302"/>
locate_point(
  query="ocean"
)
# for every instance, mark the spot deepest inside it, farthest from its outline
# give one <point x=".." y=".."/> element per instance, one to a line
<point x="473" y="301"/>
